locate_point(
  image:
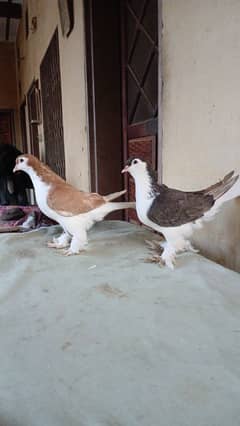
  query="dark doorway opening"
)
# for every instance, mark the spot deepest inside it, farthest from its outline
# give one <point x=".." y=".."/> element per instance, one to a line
<point x="7" y="134"/>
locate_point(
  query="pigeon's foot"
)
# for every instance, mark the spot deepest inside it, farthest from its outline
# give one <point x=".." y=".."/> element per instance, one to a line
<point x="157" y="250"/>
<point x="155" y="258"/>
<point x="78" y="245"/>
<point x="60" y="242"/>
<point x="70" y="252"/>
<point x="154" y="245"/>
<point x="170" y="261"/>
<point x="163" y="253"/>
<point x="53" y="244"/>
<point x="169" y="255"/>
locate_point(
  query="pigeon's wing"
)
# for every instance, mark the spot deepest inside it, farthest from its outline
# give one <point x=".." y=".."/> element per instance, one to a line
<point x="174" y="208"/>
<point x="69" y="201"/>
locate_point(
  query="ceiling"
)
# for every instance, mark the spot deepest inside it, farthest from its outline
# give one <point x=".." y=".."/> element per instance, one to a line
<point x="10" y="15"/>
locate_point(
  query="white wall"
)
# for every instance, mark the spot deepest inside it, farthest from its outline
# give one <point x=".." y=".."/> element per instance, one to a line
<point x="72" y="65"/>
<point x="201" y="109"/>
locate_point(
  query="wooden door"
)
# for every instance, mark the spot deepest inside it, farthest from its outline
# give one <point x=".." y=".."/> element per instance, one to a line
<point x="52" y="107"/>
<point x="6" y="127"/>
<point x="140" y="82"/>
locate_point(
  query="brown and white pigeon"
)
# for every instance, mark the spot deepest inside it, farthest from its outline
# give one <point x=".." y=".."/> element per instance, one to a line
<point x="176" y="213"/>
<point x="76" y="211"/>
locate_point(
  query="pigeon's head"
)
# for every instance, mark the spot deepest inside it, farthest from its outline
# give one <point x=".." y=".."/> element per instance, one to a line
<point x="135" y="166"/>
<point x="21" y="163"/>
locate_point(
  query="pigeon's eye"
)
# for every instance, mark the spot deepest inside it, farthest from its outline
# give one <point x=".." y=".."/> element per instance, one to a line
<point x="135" y="161"/>
<point x="21" y="160"/>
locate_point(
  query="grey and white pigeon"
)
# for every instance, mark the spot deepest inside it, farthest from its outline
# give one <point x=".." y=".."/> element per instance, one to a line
<point x="76" y="211"/>
<point x="176" y="213"/>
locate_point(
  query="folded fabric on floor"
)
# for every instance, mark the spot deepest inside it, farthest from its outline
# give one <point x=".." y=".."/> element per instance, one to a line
<point x="22" y="218"/>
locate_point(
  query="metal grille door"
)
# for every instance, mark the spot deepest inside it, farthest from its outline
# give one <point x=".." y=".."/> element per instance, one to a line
<point x="52" y="108"/>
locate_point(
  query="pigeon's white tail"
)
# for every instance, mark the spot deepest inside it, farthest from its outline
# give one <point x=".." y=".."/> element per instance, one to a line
<point x="114" y="195"/>
<point x="100" y="212"/>
<point x="111" y="207"/>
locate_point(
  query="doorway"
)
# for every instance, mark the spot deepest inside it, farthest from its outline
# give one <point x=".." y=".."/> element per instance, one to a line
<point x="7" y="127"/>
<point x="122" y="78"/>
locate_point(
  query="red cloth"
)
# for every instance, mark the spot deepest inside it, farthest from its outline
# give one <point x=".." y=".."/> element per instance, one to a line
<point x="41" y="219"/>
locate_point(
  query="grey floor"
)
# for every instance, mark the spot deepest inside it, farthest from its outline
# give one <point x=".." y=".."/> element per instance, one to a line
<point x="105" y="339"/>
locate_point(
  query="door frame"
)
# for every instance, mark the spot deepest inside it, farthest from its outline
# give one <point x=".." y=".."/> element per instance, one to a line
<point x="23" y="123"/>
<point x="160" y="96"/>
<point x="88" y="23"/>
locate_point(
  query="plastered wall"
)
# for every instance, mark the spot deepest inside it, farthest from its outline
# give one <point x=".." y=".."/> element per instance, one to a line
<point x="72" y="67"/>
<point x="201" y="109"/>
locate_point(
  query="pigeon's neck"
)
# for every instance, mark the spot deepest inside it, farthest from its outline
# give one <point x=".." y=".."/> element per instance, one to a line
<point x="37" y="180"/>
<point x="42" y="188"/>
<point x="42" y="173"/>
<point x="33" y="175"/>
<point x="146" y="184"/>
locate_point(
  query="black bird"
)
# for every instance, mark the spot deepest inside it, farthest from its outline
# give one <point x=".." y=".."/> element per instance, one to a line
<point x="12" y="186"/>
<point x="176" y="213"/>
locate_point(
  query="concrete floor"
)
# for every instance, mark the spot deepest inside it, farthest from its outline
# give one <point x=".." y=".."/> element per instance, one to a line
<point x="104" y="339"/>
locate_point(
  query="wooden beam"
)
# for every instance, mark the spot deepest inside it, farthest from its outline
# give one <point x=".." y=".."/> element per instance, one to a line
<point x="10" y="10"/>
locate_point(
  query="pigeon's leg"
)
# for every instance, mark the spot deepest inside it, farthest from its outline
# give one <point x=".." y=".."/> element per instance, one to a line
<point x="174" y="246"/>
<point x="188" y="247"/>
<point x="60" y="242"/>
<point x="78" y="243"/>
<point x="169" y="254"/>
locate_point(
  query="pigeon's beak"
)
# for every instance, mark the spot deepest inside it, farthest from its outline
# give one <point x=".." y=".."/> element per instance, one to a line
<point x="15" y="168"/>
<point x="125" y="170"/>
